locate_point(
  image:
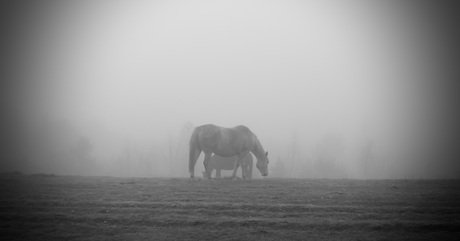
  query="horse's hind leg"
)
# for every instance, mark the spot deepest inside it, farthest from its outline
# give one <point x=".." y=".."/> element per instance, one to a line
<point x="235" y="170"/>
<point x="243" y="169"/>
<point x="194" y="154"/>
<point x="207" y="157"/>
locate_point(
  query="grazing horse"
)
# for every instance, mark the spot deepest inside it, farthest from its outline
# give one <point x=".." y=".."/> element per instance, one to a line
<point x="228" y="163"/>
<point x="226" y="142"/>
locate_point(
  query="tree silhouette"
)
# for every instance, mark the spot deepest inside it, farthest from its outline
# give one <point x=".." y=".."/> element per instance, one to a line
<point x="83" y="148"/>
<point x="327" y="152"/>
<point x="82" y="152"/>
<point x="279" y="169"/>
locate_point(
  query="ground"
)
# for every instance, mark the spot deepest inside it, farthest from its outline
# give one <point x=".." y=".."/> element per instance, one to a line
<point x="49" y="207"/>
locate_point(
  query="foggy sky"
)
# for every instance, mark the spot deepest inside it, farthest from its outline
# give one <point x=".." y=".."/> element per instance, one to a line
<point x="286" y="69"/>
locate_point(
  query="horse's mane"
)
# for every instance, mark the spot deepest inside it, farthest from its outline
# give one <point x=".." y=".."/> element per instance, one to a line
<point x="258" y="150"/>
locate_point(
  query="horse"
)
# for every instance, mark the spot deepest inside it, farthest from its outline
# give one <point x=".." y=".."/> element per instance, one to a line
<point x="228" y="163"/>
<point x="226" y="142"/>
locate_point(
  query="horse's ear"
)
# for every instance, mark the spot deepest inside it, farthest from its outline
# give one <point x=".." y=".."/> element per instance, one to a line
<point x="266" y="153"/>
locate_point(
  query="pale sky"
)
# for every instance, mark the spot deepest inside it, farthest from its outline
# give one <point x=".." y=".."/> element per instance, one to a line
<point x="260" y="62"/>
<point x="145" y="68"/>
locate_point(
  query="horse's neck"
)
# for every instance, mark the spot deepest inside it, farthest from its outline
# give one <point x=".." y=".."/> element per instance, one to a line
<point x="258" y="150"/>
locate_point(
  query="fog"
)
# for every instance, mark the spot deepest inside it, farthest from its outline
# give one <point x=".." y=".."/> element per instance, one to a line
<point x="332" y="89"/>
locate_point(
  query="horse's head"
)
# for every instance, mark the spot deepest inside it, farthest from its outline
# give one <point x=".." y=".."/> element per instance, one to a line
<point x="262" y="164"/>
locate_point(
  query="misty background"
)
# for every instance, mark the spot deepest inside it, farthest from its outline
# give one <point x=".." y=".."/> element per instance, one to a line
<point x="332" y="89"/>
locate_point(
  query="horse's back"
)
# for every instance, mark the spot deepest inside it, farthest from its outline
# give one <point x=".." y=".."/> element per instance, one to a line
<point x="242" y="131"/>
<point x="207" y="136"/>
<point x="207" y="130"/>
<point x="241" y="128"/>
<point x="210" y="129"/>
<point x="224" y="141"/>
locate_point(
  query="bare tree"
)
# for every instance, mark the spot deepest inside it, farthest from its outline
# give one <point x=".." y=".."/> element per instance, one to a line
<point x="327" y="163"/>
<point x="171" y="155"/>
<point x="82" y="152"/>
<point x="366" y="158"/>
<point x="293" y="154"/>
<point x="183" y="148"/>
<point x="372" y="164"/>
<point x="122" y="163"/>
<point x="83" y="148"/>
<point x="177" y="150"/>
<point x="279" y="169"/>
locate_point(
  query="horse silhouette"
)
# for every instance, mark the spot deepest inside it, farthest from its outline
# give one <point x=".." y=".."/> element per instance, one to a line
<point x="226" y="142"/>
<point x="219" y="163"/>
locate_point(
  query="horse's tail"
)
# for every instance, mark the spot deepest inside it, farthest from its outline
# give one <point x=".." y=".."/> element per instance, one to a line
<point x="194" y="151"/>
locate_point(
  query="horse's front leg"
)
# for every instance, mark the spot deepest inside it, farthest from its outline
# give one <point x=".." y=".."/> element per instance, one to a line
<point x="207" y="157"/>
<point x="241" y="162"/>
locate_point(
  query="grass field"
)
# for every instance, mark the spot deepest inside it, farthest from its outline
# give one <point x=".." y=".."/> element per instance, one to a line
<point x="48" y="207"/>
